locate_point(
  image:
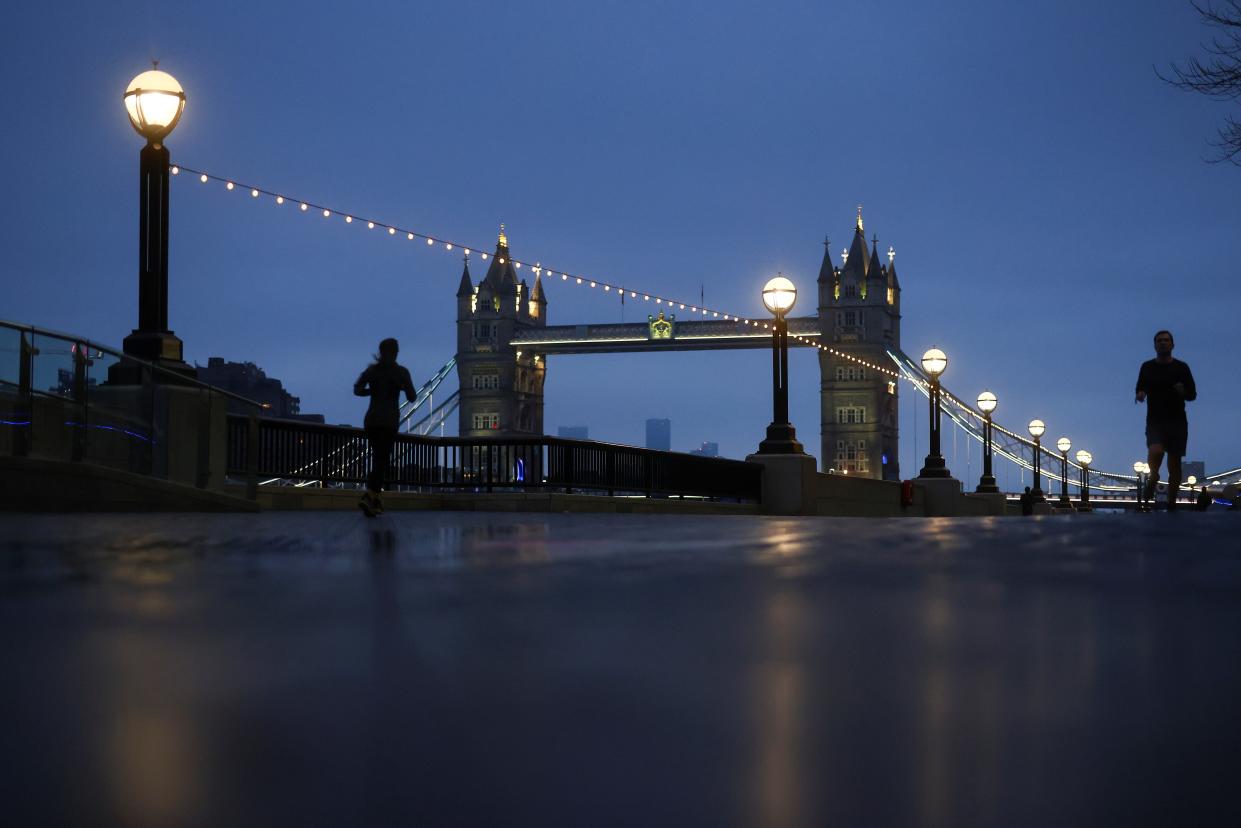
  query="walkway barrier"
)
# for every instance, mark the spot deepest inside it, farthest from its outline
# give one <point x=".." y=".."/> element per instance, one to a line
<point x="65" y="398"/>
<point x="268" y="450"/>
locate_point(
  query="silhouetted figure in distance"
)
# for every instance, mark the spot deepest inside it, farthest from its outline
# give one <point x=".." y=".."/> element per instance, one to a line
<point x="1027" y="502"/>
<point x="1165" y="385"/>
<point x="382" y="381"/>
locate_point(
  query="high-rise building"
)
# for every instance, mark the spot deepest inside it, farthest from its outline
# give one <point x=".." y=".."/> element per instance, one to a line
<point x="707" y="449"/>
<point x="860" y="316"/>
<point x="659" y="435"/>
<point x="574" y="432"/>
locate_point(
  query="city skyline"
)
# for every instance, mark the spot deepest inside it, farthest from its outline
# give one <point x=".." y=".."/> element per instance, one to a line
<point x="1046" y="223"/>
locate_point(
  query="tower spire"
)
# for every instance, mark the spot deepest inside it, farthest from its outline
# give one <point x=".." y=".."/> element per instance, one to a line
<point x="860" y="228"/>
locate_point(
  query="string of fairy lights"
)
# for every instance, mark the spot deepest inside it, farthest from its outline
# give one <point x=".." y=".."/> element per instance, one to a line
<point x="438" y="242"/>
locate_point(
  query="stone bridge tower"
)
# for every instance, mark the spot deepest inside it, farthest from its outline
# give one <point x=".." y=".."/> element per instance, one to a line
<point x="501" y="387"/>
<point x="860" y="315"/>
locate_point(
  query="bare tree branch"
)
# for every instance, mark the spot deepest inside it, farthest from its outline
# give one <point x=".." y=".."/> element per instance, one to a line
<point x="1219" y="75"/>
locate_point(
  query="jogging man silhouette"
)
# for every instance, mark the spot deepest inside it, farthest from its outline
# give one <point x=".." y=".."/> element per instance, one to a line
<point x="1165" y="385"/>
<point x="382" y="381"/>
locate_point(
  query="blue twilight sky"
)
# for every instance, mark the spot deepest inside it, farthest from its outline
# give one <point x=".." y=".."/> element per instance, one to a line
<point x="1046" y="194"/>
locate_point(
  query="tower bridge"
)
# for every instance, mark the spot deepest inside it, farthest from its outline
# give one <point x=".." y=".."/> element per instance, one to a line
<point x="503" y="342"/>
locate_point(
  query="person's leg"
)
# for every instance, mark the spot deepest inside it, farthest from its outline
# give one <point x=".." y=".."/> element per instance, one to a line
<point x="1174" y="477"/>
<point x="381" y="456"/>
<point x="1154" y="459"/>
<point x="379" y="460"/>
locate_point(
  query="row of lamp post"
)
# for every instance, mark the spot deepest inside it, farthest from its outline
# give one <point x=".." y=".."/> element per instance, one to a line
<point x="934" y="363"/>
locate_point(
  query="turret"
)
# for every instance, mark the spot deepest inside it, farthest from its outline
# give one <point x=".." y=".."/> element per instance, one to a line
<point x="538" y="301"/>
<point x="857" y="261"/>
<point x="829" y="276"/>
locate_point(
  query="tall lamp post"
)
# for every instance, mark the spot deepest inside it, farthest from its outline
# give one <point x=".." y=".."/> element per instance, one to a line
<point x="1036" y="431"/>
<point x="779" y="296"/>
<point x="986" y="404"/>
<point x="934" y="362"/>
<point x="1064" y="444"/>
<point x="1084" y="459"/>
<point x="154" y="102"/>
<point x="1192" y="480"/>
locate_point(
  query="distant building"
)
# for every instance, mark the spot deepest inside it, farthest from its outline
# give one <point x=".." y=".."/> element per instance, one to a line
<point x="707" y="450"/>
<point x="248" y="380"/>
<point x="574" y="432"/>
<point x="659" y="435"/>
<point x="1195" y="467"/>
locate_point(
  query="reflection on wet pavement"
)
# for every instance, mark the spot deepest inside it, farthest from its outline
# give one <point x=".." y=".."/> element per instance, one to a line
<point x="591" y="669"/>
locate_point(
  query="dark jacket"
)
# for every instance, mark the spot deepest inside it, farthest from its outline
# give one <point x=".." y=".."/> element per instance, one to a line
<point x="383" y="383"/>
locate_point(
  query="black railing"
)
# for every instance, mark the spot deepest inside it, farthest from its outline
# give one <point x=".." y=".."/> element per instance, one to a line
<point x="263" y="450"/>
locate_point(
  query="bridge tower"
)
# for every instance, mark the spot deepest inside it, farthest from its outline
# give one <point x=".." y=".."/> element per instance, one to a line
<point x="501" y="387"/>
<point x="859" y="315"/>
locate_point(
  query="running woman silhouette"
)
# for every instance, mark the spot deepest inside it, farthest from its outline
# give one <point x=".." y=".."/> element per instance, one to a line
<point x="382" y="381"/>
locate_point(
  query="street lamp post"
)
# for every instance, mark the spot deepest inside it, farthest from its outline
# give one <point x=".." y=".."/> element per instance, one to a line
<point x="934" y="362"/>
<point x="986" y="404"/>
<point x="1064" y="444"/>
<point x="779" y="296"/>
<point x="1192" y="480"/>
<point x="1036" y="431"/>
<point x="154" y="102"/>
<point x="1084" y="459"/>
<point x="1138" y="469"/>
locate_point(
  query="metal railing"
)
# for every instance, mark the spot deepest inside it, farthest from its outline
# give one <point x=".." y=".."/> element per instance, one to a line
<point x="261" y="448"/>
<point x="65" y="397"/>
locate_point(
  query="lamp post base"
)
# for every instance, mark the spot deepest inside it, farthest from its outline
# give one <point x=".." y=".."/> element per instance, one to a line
<point x="1064" y="502"/>
<point x="934" y="467"/>
<point x="1037" y="496"/>
<point x="987" y="485"/>
<point x="162" y="348"/>
<point x="781" y="439"/>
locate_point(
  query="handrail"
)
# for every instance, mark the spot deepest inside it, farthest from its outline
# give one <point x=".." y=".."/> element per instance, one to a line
<point x="181" y="378"/>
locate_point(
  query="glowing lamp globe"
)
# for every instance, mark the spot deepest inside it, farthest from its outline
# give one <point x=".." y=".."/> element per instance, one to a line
<point x="1137" y="467"/>
<point x="1063" y="444"/>
<point x="1037" y="428"/>
<point x="934" y="362"/>
<point x="154" y="101"/>
<point x="779" y="295"/>
<point x="1192" y="479"/>
<point x="987" y="402"/>
<point x="1084" y="457"/>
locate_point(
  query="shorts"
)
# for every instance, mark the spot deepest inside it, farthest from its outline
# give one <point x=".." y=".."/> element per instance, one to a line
<point x="1171" y="435"/>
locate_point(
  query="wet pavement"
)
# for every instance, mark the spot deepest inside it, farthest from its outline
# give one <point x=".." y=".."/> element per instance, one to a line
<point x="500" y="669"/>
